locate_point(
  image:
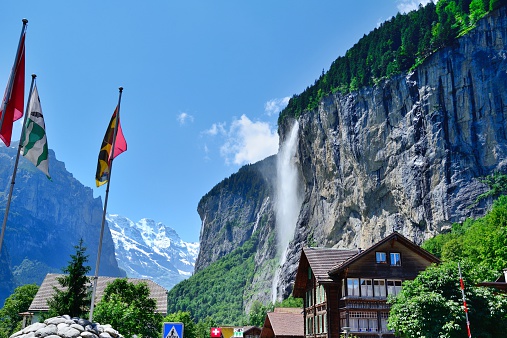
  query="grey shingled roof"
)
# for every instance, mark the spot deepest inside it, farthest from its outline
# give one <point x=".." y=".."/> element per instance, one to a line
<point x="46" y="291"/>
<point x="321" y="260"/>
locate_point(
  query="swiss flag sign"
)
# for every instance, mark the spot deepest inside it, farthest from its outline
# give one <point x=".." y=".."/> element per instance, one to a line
<point x="216" y="332"/>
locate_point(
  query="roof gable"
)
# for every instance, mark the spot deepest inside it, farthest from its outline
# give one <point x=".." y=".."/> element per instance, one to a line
<point x="385" y="243"/>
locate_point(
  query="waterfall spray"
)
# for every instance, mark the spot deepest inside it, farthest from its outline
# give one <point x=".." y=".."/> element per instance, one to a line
<point x="288" y="199"/>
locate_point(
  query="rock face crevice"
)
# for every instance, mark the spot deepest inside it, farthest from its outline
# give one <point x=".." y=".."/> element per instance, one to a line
<point x="404" y="155"/>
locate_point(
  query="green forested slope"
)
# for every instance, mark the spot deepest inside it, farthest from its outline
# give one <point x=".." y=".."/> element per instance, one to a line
<point x="217" y="290"/>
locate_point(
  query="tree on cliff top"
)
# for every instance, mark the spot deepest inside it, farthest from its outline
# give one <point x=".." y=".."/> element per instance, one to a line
<point x="73" y="299"/>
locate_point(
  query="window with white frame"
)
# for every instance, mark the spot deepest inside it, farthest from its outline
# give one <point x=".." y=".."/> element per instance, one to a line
<point x="393" y="287"/>
<point x="309" y="325"/>
<point x="309" y="298"/>
<point x="384" y="316"/>
<point x="353" y="287"/>
<point x="379" y="287"/>
<point x="320" y="295"/>
<point x="366" y="288"/>
<point x="395" y="258"/>
<point x="363" y="321"/>
<point x="381" y="257"/>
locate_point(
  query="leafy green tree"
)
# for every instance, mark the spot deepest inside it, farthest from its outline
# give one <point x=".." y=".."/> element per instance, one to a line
<point x="73" y="299"/>
<point x="204" y="326"/>
<point x="258" y="313"/>
<point x="189" y="327"/>
<point x="290" y="302"/>
<point x="129" y="309"/>
<point x="431" y="305"/>
<point x="19" y="301"/>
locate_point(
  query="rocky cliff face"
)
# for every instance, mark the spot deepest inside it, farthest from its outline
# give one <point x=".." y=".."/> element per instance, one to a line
<point x="404" y="155"/>
<point x="47" y="219"/>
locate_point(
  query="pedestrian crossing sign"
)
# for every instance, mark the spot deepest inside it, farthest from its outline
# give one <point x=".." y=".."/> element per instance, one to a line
<point x="172" y="330"/>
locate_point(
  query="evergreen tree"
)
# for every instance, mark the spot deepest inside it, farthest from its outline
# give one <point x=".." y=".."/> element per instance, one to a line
<point x="73" y="299"/>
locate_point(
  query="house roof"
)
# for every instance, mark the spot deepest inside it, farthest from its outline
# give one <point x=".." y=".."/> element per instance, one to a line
<point x="283" y="324"/>
<point x="320" y="260"/>
<point x="395" y="236"/>
<point x="46" y="291"/>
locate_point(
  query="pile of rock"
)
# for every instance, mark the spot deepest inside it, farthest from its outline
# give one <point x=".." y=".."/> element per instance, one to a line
<point x="67" y="327"/>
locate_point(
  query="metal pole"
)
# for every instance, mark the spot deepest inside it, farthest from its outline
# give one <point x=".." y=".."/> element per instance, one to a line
<point x="13" y="179"/>
<point x="13" y="72"/>
<point x="96" y="277"/>
<point x="462" y="285"/>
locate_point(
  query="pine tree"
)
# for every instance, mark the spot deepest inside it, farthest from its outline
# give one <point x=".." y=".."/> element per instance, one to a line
<point x="73" y="299"/>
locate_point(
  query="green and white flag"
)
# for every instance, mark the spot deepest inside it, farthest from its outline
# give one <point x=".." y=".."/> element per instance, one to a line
<point x="35" y="145"/>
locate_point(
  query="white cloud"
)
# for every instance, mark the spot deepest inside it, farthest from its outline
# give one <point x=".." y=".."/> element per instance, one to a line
<point x="216" y="128"/>
<point x="405" y="6"/>
<point x="184" y="117"/>
<point x="275" y="106"/>
<point x="249" y="142"/>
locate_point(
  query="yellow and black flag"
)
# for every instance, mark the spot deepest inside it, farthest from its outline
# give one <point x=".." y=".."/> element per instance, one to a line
<point x="106" y="155"/>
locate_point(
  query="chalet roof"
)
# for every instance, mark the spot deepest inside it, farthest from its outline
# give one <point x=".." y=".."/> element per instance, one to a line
<point x="283" y="324"/>
<point x="46" y="291"/>
<point x="395" y="236"/>
<point x="320" y="260"/>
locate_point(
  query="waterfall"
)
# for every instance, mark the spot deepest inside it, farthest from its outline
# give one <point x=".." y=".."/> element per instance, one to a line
<point x="288" y="199"/>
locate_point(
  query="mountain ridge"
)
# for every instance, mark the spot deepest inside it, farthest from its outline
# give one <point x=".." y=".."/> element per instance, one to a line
<point x="149" y="249"/>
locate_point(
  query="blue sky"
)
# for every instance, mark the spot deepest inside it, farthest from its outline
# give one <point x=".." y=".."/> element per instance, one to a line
<point x="203" y="83"/>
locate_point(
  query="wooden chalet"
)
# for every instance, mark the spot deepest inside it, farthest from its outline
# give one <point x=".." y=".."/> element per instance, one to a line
<point x="348" y="289"/>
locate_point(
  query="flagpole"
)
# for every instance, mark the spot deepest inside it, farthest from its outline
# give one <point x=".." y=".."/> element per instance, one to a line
<point x="11" y="77"/>
<point x="13" y="179"/>
<point x="465" y="308"/>
<point x="96" y="277"/>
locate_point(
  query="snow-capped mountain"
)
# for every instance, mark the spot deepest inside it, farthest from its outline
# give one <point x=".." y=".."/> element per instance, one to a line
<point x="147" y="249"/>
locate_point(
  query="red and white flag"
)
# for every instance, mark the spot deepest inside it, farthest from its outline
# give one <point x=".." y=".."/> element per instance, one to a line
<point x="12" y="104"/>
<point x="216" y="332"/>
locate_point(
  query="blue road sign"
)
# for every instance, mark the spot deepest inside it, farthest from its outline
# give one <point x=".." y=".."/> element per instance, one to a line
<point x="172" y="330"/>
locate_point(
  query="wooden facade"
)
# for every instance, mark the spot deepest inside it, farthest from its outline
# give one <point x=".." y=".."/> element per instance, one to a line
<point x="349" y="288"/>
